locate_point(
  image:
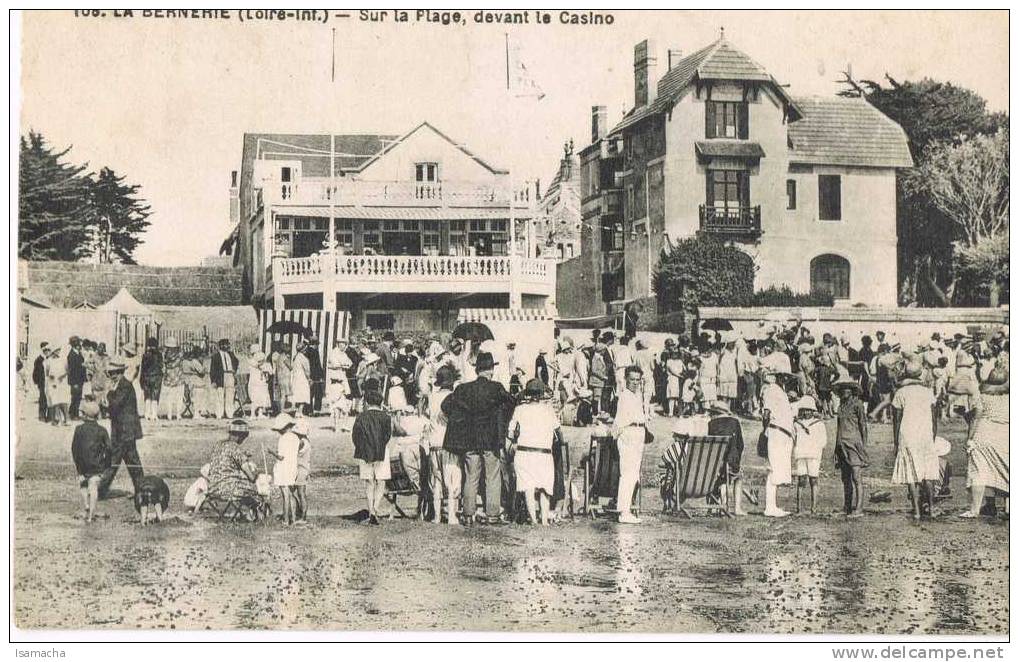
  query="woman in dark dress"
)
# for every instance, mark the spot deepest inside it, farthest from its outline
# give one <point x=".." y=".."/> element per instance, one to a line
<point x="151" y="378"/>
<point x="724" y="424"/>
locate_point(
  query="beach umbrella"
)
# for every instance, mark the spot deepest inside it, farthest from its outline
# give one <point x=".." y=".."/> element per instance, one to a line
<point x="285" y="327"/>
<point x="716" y="324"/>
<point x="475" y="332"/>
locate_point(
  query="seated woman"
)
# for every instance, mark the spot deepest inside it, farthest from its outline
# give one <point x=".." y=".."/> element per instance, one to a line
<point x="232" y="474"/>
<point x="988" y="442"/>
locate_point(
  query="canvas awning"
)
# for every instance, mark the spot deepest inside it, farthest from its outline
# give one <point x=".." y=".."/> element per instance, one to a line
<point x="124" y="303"/>
<point x="731" y="149"/>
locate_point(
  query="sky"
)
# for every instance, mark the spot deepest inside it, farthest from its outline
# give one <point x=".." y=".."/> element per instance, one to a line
<point x="165" y="102"/>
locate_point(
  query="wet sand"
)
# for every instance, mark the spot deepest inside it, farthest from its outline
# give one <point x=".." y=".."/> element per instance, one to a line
<point x="882" y="574"/>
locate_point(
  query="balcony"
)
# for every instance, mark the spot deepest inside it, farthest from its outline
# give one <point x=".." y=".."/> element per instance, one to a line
<point x="311" y="192"/>
<point x="731" y="221"/>
<point x="414" y="274"/>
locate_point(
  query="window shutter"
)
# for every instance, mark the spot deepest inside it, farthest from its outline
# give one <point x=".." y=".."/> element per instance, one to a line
<point x="836" y="195"/>
<point x="709" y="192"/>
<point x="745" y="189"/>
<point x="709" y="119"/>
<point x="744" y="121"/>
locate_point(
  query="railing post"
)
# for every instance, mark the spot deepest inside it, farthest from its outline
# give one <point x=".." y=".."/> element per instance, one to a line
<point x="514" y="277"/>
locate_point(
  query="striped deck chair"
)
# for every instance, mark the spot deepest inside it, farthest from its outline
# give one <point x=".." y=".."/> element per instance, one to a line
<point x="692" y="468"/>
<point x="401" y="484"/>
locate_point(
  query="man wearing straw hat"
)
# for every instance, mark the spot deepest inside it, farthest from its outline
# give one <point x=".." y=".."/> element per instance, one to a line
<point x="125" y="428"/>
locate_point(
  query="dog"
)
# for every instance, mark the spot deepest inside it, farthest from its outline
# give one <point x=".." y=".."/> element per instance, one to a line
<point x="152" y="492"/>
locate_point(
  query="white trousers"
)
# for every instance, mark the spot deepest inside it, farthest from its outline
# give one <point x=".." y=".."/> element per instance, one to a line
<point x="631" y="451"/>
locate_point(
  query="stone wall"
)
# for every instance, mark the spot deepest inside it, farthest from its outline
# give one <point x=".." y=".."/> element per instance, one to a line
<point x="69" y="284"/>
<point x="578" y="287"/>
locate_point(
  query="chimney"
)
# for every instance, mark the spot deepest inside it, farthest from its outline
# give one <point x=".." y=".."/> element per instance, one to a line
<point x="644" y="73"/>
<point x="675" y="55"/>
<point x="599" y="122"/>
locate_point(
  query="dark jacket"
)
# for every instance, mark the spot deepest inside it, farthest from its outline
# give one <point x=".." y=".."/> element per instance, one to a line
<point x="39" y="371"/>
<point x="216" y="367"/>
<point x="123" y="406"/>
<point x="90" y="449"/>
<point x="75" y="368"/>
<point x="478" y="413"/>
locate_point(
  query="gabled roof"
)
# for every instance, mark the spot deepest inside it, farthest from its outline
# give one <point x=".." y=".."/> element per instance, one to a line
<point x="717" y="61"/>
<point x="851" y="132"/>
<point x="391" y="144"/>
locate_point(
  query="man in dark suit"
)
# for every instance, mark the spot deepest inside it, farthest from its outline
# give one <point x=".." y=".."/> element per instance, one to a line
<point x="317" y="374"/>
<point x="39" y="379"/>
<point x="125" y="429"/>
<point x="223" y="375"/>
<point x="479" y="414"/>
<point x="75" y="374"/>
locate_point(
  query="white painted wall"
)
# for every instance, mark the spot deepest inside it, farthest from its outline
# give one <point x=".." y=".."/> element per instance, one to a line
<point x="426" y="145"/>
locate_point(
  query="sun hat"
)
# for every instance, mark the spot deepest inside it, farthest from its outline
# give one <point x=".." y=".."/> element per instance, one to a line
<point x="847" y="383"/>
<point x="238" y="426"/>
<point x="301" y="428"/>
<point x="445" y="376"/>
<point x="806" y="403"/>
<point x="281" y="422"/>
<point x="913" y="368"/>
<point x="89" y="409"/>
<point x="395" y="381"/>
<point x="534" y="388"/>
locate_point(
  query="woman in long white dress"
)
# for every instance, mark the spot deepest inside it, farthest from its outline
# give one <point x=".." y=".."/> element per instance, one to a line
<point x="58" y="391"/>
<point x="259" y="371"/>
<point x="988" y="442"/>
<point x="532" y="429"/>
<point x="914" y="414"/>
<point x="300" y="381"/>
<point x="337" y="385"/>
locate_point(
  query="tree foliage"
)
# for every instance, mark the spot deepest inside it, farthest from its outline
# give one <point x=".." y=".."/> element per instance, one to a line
<point x="67" y="214"/>
<point x="930" y="112"/>
<point x="53" y="196"/>
<point x="703" y="271"/>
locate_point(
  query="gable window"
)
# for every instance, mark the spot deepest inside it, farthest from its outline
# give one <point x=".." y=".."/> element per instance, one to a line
<point x="728" y="189"/>
<point x="426" y="172"/>
<point x="829" y="195"/>
<point x="829" y="274"/>
<point x="726" y="119"/>
<point x="790" y="194"/>
<point x="285" y="174"/>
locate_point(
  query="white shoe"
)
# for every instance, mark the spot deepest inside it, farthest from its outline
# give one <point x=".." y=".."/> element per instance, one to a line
<point x="776" y="513"/>
<point x="626" y="518"/>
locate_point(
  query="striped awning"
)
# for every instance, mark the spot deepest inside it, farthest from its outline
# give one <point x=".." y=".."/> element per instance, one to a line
<point x="404" y="213"/>
<point x="327" y="325"/>
<point x="503" y="315"/>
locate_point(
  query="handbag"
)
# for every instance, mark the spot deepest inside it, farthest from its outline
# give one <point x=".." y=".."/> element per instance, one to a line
<point x="762" y="445"/>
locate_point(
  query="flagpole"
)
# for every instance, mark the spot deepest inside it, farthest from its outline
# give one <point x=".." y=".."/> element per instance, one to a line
<point x="509" y="173"/>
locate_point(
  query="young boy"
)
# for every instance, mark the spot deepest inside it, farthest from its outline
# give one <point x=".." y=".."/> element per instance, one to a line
<point x="372" y="431"/>
<point x="811" y="438"/>
<point x="90" y="450"/>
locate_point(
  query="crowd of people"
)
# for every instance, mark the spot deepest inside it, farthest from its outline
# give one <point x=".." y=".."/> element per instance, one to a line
<point x="472" y="427"/>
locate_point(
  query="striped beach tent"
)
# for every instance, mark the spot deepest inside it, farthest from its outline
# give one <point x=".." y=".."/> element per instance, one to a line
<point x="504" y="315"/>
<point x="327" y="325"/>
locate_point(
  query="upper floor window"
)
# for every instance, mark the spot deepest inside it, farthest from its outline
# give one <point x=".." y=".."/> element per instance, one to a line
<point x="790" y="194"/>
<point x="728" y="188"/>
<point x="426" y="172"/>
<point x="726" y="119"/>
<point x="829" y="196"/>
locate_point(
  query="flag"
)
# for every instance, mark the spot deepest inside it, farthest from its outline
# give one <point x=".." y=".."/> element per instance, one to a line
<point x="519" y="81"/>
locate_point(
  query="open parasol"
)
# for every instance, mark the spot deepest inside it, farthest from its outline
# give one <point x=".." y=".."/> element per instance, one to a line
<point x="716" y="324"/>
<point x="284" y="327"/>
<point x="475" y="332"/>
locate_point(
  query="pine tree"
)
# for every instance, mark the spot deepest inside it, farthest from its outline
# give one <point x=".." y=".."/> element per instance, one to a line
<point x="52" y="201"/>
<point x="116" y="217"/>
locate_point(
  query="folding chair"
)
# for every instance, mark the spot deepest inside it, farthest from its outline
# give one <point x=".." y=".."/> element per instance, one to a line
<point x="601" y="475"/>
<point x="401" y="484"/>
<point x="236" y="510"/>
<point x="693" y="467"/>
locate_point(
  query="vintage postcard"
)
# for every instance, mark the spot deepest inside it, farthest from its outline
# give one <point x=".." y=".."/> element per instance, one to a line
<point x="512" y="323"/>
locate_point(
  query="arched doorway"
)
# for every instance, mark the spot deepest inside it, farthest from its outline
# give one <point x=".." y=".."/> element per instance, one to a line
<point x="830" y="274"/>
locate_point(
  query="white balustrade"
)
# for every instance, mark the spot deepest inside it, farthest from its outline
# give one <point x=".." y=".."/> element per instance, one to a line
<point x="410" y="194"/>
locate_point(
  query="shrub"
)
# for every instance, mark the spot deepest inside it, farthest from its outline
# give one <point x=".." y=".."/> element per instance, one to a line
<point x="703" y="271"/>
<point x="784" y="296"/>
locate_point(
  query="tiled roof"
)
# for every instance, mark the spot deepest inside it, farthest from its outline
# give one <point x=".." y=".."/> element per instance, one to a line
<point x="731" y="148"/>
<point x="717" y="61"/>
<point x="400" y="139"/>
<point x="841" y="131"/>
<point x="404" y="213"/>
<point x="313" y="150"/>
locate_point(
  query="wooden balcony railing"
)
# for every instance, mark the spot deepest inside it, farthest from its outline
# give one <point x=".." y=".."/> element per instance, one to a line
<point x="744" y="221"/>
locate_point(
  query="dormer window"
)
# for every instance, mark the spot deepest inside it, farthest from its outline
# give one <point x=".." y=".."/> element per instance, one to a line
<point x="426" y="172"/>
<point x="726" y="119"/>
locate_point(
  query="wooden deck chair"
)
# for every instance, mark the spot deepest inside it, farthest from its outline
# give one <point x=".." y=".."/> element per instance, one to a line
<point x="601" y="476"/>
<point x="695" y="464"/>
<point x="401" y="484"/>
